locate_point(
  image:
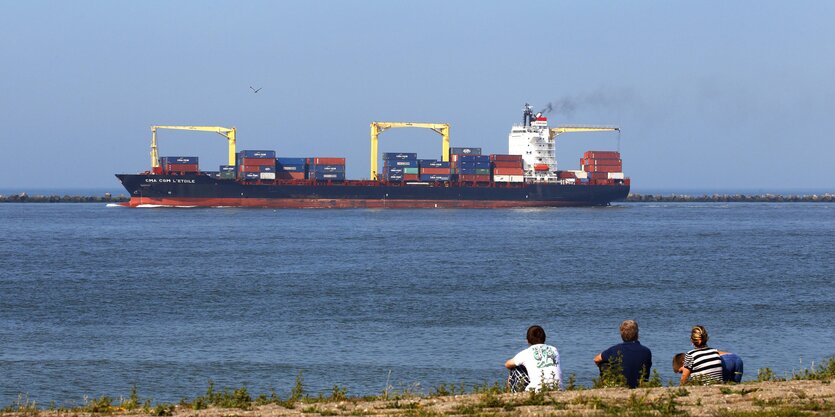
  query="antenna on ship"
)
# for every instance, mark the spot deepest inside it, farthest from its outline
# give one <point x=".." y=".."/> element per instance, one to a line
<point x="527" y="115"/>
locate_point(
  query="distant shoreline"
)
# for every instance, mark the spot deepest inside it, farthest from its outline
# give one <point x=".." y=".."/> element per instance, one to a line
<point x="632" y="198"/>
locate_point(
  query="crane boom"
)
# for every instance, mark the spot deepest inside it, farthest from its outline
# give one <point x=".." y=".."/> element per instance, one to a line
<point x="380" y="127"/>
<point x="228" y="132"/>
<point x="554" y="131"/>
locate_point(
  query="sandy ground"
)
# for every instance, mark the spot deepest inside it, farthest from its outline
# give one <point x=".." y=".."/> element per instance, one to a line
<point x="812" y="397"/>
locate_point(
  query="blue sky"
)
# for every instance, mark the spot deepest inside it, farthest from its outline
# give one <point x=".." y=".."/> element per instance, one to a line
<point x="710" y="95"/>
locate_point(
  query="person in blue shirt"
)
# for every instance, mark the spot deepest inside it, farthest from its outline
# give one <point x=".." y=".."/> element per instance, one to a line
<point x="731" y="366"/>
<point x="636" y="359"/>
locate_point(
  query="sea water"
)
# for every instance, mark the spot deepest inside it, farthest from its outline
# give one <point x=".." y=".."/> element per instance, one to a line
<point x="95" y="299"/>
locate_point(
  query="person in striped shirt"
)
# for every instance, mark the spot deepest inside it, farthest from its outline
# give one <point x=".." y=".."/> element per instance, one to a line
<point x="702" y="364"/>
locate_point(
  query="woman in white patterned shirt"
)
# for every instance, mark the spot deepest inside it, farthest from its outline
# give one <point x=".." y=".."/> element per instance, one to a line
<point x="702" y="364"/>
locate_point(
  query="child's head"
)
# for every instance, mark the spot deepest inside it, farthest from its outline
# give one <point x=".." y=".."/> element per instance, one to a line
<point x="678" y="362"/>
<point x="536" y="335"/>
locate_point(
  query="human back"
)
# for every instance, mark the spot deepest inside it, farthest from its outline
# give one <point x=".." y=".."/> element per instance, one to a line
<point x="634" y="359"/>
<point x="702" y="364"/>
<point x="541" y="361"/>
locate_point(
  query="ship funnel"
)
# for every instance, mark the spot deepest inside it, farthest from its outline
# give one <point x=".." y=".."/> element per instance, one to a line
<point x="527" y="115"/>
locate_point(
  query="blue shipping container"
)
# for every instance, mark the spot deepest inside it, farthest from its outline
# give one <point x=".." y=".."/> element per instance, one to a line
<point x="227" y="168"/>
<point x="465" y="151"/>
<point x="474" y="158"/>
<point x="257" y="154"/>
<point x="434" y="177"/>
<point x="403" y="156"/>
<point x="402" y="163"/>
<point x="394" y="170"/>
<point x="477" y="165"/>
<point x="250" y="175"/>
<point x="267" y="168"/>
<point x="288" y="167"/>
<point x="334" y="176"/>
<point x="431" y="163"/>
<point x="327" y="168"/>
<point x="291" y="161"/>
<point x="394" y="177"/>
<point x="165" y="160"/>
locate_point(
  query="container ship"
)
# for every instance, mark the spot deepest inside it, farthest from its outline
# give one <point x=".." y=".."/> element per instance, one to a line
<point x="464" y="177"/>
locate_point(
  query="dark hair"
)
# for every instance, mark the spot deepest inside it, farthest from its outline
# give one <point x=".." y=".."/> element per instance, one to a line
<point x="678" y="361"/>
<point x="629" y="330"/>
<point x="536" y="335"/>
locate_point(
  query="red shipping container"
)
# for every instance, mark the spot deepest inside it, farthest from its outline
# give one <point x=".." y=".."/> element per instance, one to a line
<point x="157" y="169"/>
<point x="602" y="154"/>
<point x="506" y="158"/>
<point x="474" y="178"/>
<point x="436" y="171"/>
<point x="602" y="168"/>
<point x="257" y="161"/>
<point x="328" y="161"/>
<point x="565" y="174"/>
<point x="598" y="176"/>
<point x="602" y="161"/>
<point x="411" y="177"/>
<point x="508" y="171"/>
<point x="249" y="168"/>
<point x="507" y="164"/>
<point x="289" y="175"/>
<point x="181" y="168"/>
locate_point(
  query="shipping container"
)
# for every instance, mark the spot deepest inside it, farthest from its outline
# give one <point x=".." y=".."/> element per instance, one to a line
<point x="268" y="175"/>
<point x="403" y="156"/>
<point x="227" y="168"/>
<point x="250" y="175"/>
<point x="227" y="175"/>
<point x="598" y="175"/>
<point x="431" y="163"/>
<point x="508" y="171"/>
<point x="394" y="177"/>
<point x="250" y="154"/>
<point x="473" y="178"/>
<point x="434" y="177"/>
<point x="465" y="151"/>
<point x="191" y="160"/>
<point x="615" y="175"/>
<point x="288" y="167"/>
<point x="410" y="177"/>
<point x="601" y="154"/>
<point x="579" y="173"/>
<point x="180" y="168"/>
<point x="479" y="164"/>
<point x="290" y="175"/>
<point x="474" y="158"/>
<point x="249" y="168"/>
<point x="506" y="158"/>
<point x="509" y="178"/>
<point x="507" y="164"/>
<point x="413" y="171"/>
<point x="565" y="174"/>
<point x="327" y="168"/>
<point x="435" y="171"/>
<point x="474" y="171"/>
<point x="291" y="161"/>
<point x="327" y="161"/>
<point x="602" y="168"/>
<point x="332" y="176"/>
<point x="257" y="161"/>
<point x="393" y="170"/>
<point x="402" y="163"/>
<point x="267" y="168"/>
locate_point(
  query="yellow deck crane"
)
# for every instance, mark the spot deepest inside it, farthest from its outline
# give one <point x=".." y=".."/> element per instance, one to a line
<point x="380" y="127"/>
<point x="228" y="132"/>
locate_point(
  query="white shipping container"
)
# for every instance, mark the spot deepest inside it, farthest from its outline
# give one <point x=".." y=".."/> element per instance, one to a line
<point x="568" y="181"/>
<point x="268" y="175"/>
<point x="501" y="178"/>
<point x="616" y="175"/>
<point x="516" y="178"/>
<point x="580" y="173"/>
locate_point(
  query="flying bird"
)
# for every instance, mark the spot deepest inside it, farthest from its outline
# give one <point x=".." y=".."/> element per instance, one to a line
<point x="254" y="90"/>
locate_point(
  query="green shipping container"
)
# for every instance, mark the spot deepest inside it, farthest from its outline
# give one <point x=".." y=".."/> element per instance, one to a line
<point x="410" y="170"/>
<point x="482" y="171"/>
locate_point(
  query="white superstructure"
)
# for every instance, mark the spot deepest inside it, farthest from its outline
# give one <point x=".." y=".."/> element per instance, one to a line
<point x="533" y="141"/>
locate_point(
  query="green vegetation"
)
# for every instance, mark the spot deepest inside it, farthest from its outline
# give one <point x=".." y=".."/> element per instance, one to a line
<point x="823" y="372"/>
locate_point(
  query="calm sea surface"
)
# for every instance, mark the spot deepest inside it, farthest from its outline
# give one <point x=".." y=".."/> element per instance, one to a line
<point x="94" y="299"/>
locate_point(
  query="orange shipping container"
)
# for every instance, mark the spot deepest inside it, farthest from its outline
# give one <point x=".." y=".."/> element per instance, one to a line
<point x="508" y="171"/>
<point x="181" y="168"/>
<point x="257" y="161"/>
<point x="507" y="164"/>
<point x="474" y="178"/>
<point x="602" y="154"/>
<point x="289" y="175"/>
<point x="437" y="171"/>
<point x="328" y="161"/>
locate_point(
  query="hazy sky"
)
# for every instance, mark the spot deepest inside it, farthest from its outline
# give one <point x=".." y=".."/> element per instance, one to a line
<point x="710" y="95"/>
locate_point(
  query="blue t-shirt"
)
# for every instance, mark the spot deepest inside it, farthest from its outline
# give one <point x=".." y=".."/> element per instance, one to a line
<point x="635" y="357"/>
<point x="731" y="368"/>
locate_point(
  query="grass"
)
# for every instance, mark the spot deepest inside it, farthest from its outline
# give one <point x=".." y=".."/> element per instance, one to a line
<point x="823" y="372"/>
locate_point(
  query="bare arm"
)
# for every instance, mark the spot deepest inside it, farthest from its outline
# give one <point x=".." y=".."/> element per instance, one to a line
<point x="685" y="374"/>
<point x="598" y="359"/>
<point x="510" y="364"/>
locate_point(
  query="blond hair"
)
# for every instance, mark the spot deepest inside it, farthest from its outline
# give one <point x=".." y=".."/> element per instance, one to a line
<point x="629" y="330"/>
<point x="698" y="336"/>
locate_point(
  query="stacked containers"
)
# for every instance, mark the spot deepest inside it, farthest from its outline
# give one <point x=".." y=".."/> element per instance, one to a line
<point x="400" y="166"/>
<point x="178" y="164"/>
<point x="291" y="168"/>
<point x="255" y="165"/>
<point x="434" y="170"/>
<point x="473" y="168"/>
<point x="327" y="169"/>
<point x="602" y="165"/>
<point x="227" y="172"/>
<point x="507" y="168"/>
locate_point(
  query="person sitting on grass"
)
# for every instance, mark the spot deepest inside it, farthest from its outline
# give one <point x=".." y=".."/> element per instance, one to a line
<point x="702" y="364"/>
<point x="635" y="359"/>
<point x="541" y="361"/>
<point x="731" y="366"/>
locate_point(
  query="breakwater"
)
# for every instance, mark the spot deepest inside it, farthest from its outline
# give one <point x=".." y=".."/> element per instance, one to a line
<point x="732" y="198"/>
<point x="26" y="198"/>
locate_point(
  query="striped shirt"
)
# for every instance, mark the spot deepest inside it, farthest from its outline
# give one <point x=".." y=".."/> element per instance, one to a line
<point x="704" y="365"/>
